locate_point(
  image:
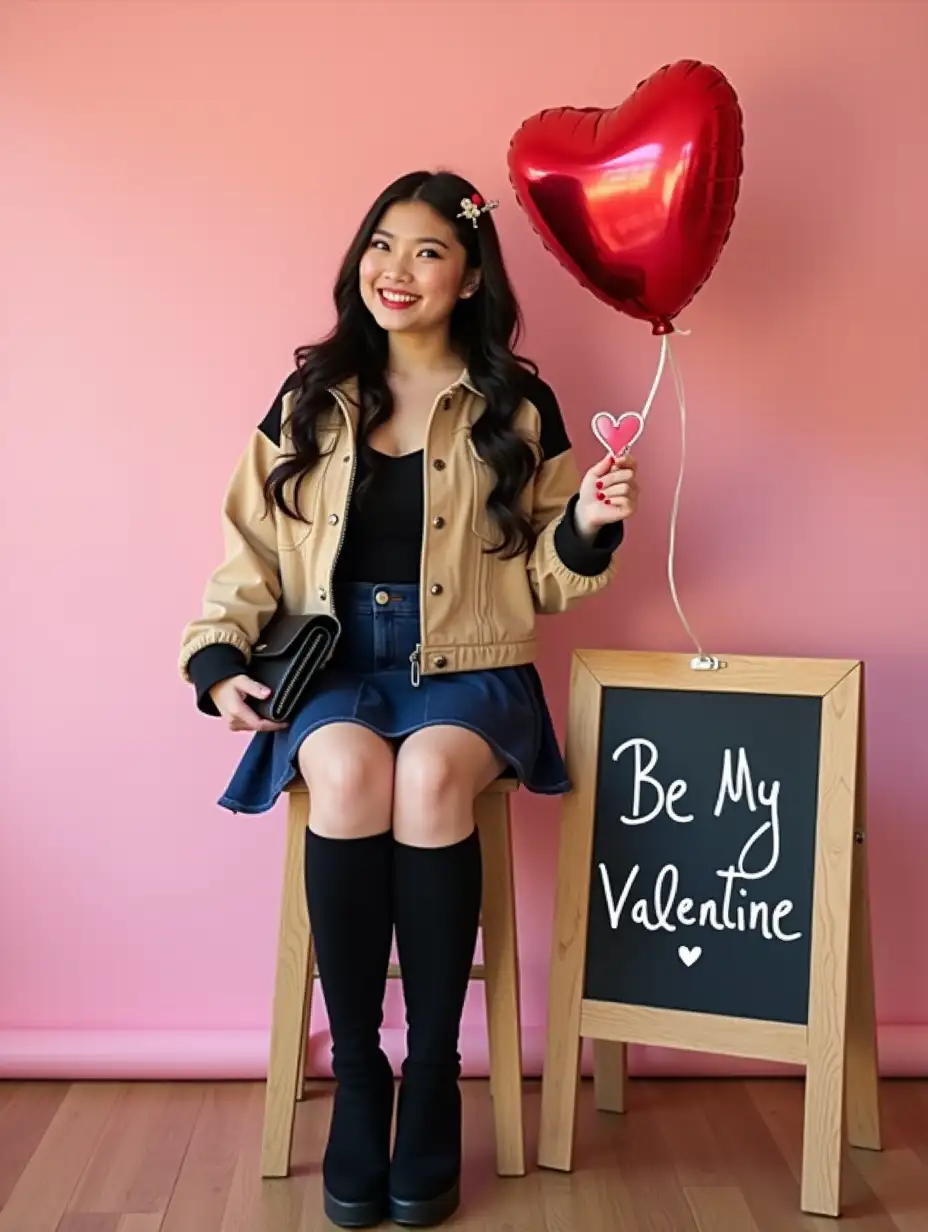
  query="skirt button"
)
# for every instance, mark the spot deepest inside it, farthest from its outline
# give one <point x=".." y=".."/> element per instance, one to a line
<point x="381" y="597"/>
<point x="440" y="661"/>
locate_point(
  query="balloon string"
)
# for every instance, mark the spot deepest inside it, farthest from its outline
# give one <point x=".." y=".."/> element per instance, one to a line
<point x="665" y="347"/>
<point x="667" y="350"/>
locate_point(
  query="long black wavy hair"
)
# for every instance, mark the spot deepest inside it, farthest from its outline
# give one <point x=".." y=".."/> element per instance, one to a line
<point x="485" y="329"/>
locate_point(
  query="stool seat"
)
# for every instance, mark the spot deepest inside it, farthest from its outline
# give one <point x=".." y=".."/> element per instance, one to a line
<point x="296" y="971"/>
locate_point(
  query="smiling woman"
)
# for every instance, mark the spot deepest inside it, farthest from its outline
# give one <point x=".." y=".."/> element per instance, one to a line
<point x="444" y="511"/>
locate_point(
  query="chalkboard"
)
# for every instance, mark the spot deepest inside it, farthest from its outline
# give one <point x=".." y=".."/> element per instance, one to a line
<point x="712" y="890"/>
<point x="704" y="852"/>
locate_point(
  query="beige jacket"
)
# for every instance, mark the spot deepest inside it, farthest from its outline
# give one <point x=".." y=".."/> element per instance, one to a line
<point x="477" y="610"/>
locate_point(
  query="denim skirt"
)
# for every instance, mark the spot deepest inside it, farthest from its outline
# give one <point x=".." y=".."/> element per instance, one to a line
<point x="368" y="681"/>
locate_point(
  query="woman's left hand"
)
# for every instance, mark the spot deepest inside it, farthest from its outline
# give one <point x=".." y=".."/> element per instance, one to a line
<point x="608" y="493"/>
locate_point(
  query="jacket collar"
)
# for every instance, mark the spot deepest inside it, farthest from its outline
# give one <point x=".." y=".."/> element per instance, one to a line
<point x="466" y="380"/>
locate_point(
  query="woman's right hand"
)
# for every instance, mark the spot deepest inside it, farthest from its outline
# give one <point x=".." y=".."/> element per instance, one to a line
<point x="229" y="699"/>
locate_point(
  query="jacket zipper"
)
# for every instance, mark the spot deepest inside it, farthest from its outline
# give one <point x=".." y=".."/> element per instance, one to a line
<point x="415" y="659"/>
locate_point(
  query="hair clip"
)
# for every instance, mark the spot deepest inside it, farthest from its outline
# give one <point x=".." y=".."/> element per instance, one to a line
<point x="473" y="207"/>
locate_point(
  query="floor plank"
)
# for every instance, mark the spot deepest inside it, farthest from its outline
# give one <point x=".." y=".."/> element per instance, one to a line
<point x="199" y="1200"/>
<point x="266" y="1206"/>
<point x="493" y="1201"/>
<point x="638" y="1178"/>
<point x="40" y="1196"/>
<point x="900" y="1180"/>
<point x="27" y="1112"/>
<point x="7" y="1090"/>
<point x="684" y="1122"/>
<point x="138" y="1158"/>
<point x="720" y="1206"/>
<point x="905" y="1116"/>
<point x="85" y="1221"/>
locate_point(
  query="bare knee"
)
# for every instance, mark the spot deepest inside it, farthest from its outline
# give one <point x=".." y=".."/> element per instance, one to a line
<point x="349" y="773"/>
<point x="433" y="802"/>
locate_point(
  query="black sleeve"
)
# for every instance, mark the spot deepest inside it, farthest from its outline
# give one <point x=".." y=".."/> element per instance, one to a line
<point x="271" y="423"/>
<point x="210" y="665"/>
<point x="553" y="439"/>
<point x="580" y="556"/>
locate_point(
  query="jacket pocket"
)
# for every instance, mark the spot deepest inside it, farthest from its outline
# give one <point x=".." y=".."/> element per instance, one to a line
<point x="483" y="482"/>
<point x="292" y="533"/>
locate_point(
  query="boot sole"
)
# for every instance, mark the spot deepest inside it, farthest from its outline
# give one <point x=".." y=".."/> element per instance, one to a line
<point x="355" y="1214"/>
<point x="416" y="1213"/>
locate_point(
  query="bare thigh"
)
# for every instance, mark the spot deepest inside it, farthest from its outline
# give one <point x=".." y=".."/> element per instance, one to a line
<point x="349" y="773"/>
<point x="439" y="772"/>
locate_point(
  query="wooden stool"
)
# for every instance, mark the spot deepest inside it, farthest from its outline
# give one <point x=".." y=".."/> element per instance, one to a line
<point x="293" y="985"/>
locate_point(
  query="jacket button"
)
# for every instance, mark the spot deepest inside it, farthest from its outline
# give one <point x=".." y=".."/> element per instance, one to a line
<point x="440" y="661"/>
<point x="439" y="464"/>
<point x="438" y="522"/>
<point x="321" y="593"/>
<point x="333" y="519"/>
<point x="381" y="598"/>
<point x="436" y="588"/>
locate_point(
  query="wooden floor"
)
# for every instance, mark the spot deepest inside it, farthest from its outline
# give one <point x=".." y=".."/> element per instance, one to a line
<point x="689" y="1156"/>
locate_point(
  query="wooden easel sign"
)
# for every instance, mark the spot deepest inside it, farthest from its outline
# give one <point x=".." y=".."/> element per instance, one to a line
<point x="712" y="887"/>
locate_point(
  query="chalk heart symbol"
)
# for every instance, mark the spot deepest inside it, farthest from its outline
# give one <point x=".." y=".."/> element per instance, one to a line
<point x="617" y="435"/>
<point x="689" y="954"/>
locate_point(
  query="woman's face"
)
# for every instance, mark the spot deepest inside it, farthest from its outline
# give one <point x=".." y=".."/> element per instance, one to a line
<point x="415" y="270"/>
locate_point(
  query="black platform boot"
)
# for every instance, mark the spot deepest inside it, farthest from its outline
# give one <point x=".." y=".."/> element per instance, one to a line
<point x="349" y="892"/>
<point x="437" y="913"/>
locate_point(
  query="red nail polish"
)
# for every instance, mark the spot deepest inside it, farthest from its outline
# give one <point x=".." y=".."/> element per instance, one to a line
<point x="599" y="496"/>
<point x="599" y="484"/>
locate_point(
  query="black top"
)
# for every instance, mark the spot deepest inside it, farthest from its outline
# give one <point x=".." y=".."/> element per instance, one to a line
<point x="383" y="529"/>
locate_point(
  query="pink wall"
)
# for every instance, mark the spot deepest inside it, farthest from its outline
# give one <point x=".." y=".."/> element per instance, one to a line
<point x="182" y="180"/>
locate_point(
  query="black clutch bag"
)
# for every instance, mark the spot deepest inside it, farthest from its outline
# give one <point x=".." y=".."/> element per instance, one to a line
<point x="289" y="654"/>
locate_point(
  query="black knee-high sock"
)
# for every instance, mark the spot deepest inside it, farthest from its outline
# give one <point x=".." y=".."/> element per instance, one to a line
<point x="349" y="893"/>
<point x="437" y="894"/>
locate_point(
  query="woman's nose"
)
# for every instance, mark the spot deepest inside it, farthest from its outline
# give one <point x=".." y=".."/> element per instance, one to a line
<point x="398" y="268"/>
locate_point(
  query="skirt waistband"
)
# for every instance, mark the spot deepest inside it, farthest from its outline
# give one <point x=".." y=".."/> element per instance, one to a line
<point x="375" y="598"/>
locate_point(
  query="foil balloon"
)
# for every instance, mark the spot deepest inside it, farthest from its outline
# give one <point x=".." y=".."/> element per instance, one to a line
<point x="637" y="202"/>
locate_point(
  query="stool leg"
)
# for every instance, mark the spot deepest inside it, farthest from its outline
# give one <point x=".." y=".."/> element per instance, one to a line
<point x="307" y="1014"/>
<point x="290" y="999"/>
<point x="501" y="962"/>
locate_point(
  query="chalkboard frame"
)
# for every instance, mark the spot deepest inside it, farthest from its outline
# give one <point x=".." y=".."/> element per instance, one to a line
<point x="837" y="1046"/>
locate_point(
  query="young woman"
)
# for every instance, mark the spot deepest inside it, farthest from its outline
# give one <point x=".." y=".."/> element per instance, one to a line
<point x="415" y="477"/>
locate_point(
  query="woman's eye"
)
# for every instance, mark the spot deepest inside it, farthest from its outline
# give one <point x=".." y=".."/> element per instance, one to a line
<point x="381" y="244"/>
<point x="430" y="252"/>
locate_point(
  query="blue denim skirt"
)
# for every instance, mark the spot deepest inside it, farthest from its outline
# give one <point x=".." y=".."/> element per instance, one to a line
<point x="368" y="681"/>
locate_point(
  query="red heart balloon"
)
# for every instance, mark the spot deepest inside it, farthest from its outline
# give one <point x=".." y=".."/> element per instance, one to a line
<point x="637" y="202"/>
